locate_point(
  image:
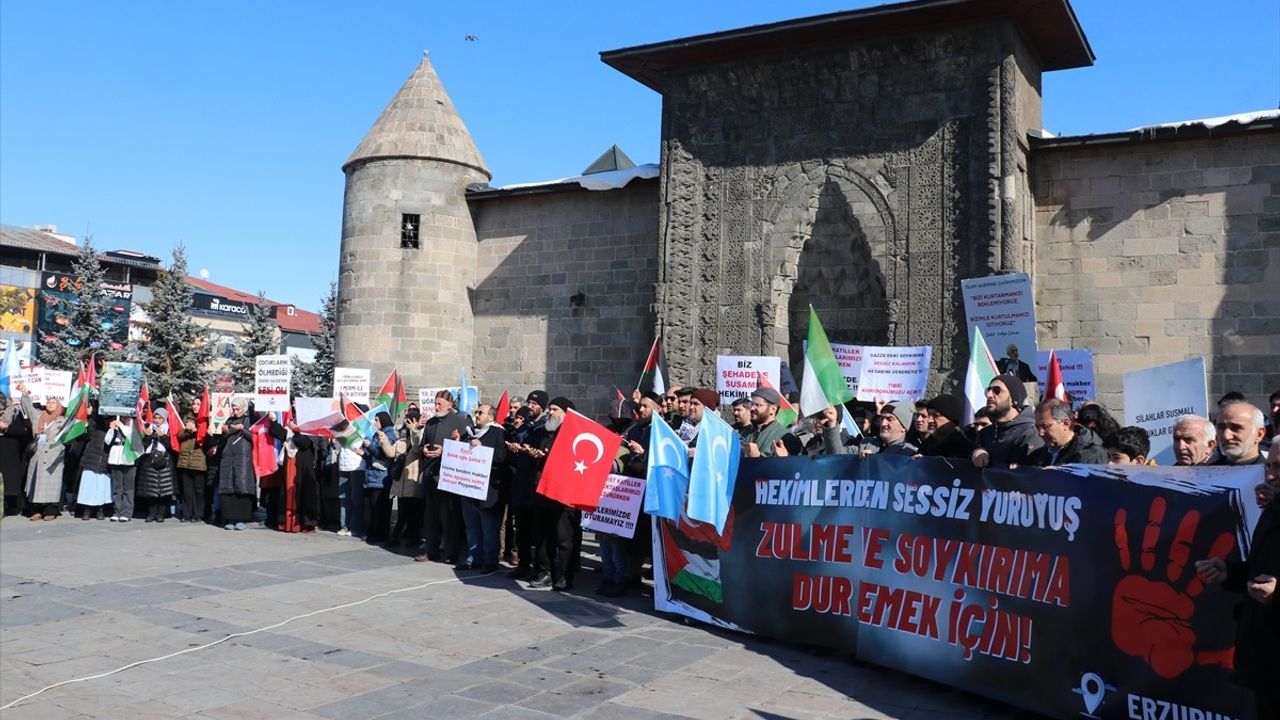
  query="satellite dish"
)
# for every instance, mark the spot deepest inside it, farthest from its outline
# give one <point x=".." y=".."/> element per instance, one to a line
<point x="204" y="273"/>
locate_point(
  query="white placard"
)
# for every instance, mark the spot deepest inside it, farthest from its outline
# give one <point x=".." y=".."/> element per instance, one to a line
<point x="465" y="470"/>
<point x="737" y="376"/>
<point x="849" y="358"/>
<point x="1154" y="398"/>
<point x="43" y="383"/>
<point x="352" y="382"/>
<point x="894" y="374"/>
<point x="271" y="383"/>
<point x="1077" y="373"/>
<point x="619" y="507"/>
<point x="1004" y="307"/>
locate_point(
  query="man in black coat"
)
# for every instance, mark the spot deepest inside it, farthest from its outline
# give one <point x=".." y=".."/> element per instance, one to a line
<point x="948" y="438"/>
<point x="1257" y="658"/>
<point x="442" y="513"/>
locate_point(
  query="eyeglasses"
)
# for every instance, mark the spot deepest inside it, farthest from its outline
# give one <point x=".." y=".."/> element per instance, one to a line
<point x="995" y="389"/>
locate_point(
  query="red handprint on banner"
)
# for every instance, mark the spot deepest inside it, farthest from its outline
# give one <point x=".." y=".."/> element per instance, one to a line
<point x="1150" y="618"/>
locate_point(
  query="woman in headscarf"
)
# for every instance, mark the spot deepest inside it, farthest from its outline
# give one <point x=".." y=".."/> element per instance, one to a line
<point x="124" y="473"/>
<point x="15" y="436"/>
<point x="237" y="484"/>
<point x="382" y="462"/>
<point x="44" y="475"/>
<point x="155" y="474"/>
<point x="193" y="465"/>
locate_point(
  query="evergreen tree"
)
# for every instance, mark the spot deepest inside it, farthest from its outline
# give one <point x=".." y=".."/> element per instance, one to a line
<point x="322" y="366"/>
<point x="175" y="355"/>
<point x="259" y="339"/>
<point x="83" y="333"/>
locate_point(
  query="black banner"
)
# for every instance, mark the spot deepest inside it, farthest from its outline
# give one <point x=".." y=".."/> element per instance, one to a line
<point x="1068" y="592"/>
<point x="57" y="303"/>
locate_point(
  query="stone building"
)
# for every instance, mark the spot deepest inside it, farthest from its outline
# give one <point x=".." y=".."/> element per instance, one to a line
<point x="866" y="161"/>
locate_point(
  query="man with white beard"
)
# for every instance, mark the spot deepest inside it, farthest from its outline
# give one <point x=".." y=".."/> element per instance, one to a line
<point x="442" y="515"/>
<point x="1241" y="428"/>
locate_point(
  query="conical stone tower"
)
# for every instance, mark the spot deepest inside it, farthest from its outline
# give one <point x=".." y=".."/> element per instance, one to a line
<point x="408" y="243"/>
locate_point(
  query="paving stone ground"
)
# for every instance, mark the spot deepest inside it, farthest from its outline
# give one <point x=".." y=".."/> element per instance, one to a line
<point x="82" y="598"/>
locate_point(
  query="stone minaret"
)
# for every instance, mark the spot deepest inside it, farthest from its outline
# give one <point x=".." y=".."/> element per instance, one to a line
<point x="401" y="305"/>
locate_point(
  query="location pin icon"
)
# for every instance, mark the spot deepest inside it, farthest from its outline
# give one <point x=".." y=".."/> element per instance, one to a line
<point x="1092" y="690"/>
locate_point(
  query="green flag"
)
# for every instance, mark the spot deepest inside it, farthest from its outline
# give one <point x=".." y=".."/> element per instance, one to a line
<point x="823" y="382"/>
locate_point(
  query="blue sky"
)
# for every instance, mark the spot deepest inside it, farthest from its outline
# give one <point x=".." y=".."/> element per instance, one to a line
<point x="226" y="124"/>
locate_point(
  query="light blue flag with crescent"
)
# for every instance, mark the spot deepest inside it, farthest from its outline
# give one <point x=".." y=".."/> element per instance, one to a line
<point x="9" y="368"/>
<point x="846" y="422"/>
<point x="370" y="428"/>
<point x="715" y="469"/>
<point x="668" y="466"/>
<point x="464" y="399"/>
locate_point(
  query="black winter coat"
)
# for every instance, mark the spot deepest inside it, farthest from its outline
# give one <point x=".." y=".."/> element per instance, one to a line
<point x="1257" y="660"/>
<point x="155" y="469"/>
<point x="1012" y="442"/>
<point x="91" y="448"/>
<point x="13" y="454"/>
<point x="1085" y="448"/>
<point x="948" y="441"/>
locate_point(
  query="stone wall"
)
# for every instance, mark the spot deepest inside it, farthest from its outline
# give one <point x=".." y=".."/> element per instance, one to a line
<point x="406" y="308"/>
<point x="1153" y="252"/>
<point x="536" y="253"/>
<point x="866" y="177"/>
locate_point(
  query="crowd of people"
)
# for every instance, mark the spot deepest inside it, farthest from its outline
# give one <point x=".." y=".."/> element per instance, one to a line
<point x="383" y="489"/>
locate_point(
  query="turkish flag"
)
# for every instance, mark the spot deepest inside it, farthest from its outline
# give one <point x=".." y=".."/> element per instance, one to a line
<point x="202" y="418"/>
<point x="1054" y="387"/>
<point x="175" y="423"/>
<point x="579" y="462"/>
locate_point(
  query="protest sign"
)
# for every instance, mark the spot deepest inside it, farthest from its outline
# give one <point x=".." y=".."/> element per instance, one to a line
<point x="894" y="374"/>
<point x="119" y="384"/>
<point x="220" y="408"/>
<point x="1077" y="373"/>
<point x="427" y="396"/>
<point x="1004" y="307"/>
<point x="465" y="470"/>
<point x="619" y="507"/>
<point x="737" y="376"/>
<point x="271" y="383"/>
<point x="849" y="358"/>
<point x="1155" y="397"/>
<point x="1017" y="585"/>
<point x="352" y="382"/>
<point x="43" y="383"/>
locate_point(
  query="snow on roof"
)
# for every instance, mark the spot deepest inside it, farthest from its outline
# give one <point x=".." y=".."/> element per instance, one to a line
<point x="608" y="180"/>
<point x="1242" y="118"/>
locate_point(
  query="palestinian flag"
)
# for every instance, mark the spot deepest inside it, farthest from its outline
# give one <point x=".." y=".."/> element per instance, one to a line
<point x="651" y="376"/>
<point x="358" y="426"/>
<point x="787" y="413"/>
<point x="690" y="571"/>
<point x="144" y="413"/>
<point x="91" y="375"/>
<point x="133" y="447"/>
<point x="392" y="394"/>
<point x="77" y="415"/>
<point x="982" y="370"/>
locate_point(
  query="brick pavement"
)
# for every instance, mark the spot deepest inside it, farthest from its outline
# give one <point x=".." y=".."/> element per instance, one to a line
<point x="81" y="598"/>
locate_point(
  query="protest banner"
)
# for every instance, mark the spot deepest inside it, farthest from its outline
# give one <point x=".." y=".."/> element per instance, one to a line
<point x="849" y="358"/>
<point x="119" y="385"/>
<point x="271" y="383"/>
<point x="220" y="408"/>
<point x="894" y="374"/>
<point x="1154" y="399"/>
<point x="353" y="383"/>
<point x="1077" y="373"/>
<point x="737" y="376"/>
<point x="427" y="396"/>
<point x="57" y="302"/>
<point x="465" y="470"/>
<point x="1004" y="307"/>
<point x="1030" y="586"/>
<point x="42" y="383"/>
<point x="619" y="507"/>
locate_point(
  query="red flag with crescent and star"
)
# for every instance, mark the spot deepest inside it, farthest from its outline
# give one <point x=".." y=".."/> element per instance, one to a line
<point x="579" y="462"/>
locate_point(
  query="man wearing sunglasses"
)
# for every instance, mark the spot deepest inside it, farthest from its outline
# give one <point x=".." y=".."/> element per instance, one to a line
<point x="1012" y="437"/>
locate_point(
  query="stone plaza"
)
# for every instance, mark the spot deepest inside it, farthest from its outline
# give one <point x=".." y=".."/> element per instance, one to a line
<point x="80" y="599"/>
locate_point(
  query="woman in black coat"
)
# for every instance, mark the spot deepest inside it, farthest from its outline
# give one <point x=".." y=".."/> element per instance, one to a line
<point x="15" y="437"/>
<point x="156" y="472"/>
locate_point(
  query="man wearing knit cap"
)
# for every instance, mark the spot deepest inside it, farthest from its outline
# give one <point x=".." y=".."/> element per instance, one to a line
<point x="895" y="421"/>
<point x="947" y="439"/>
<point x="1012" y="437"/>
<point x="524" y="448"/>
<point x="768" y="432"/>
